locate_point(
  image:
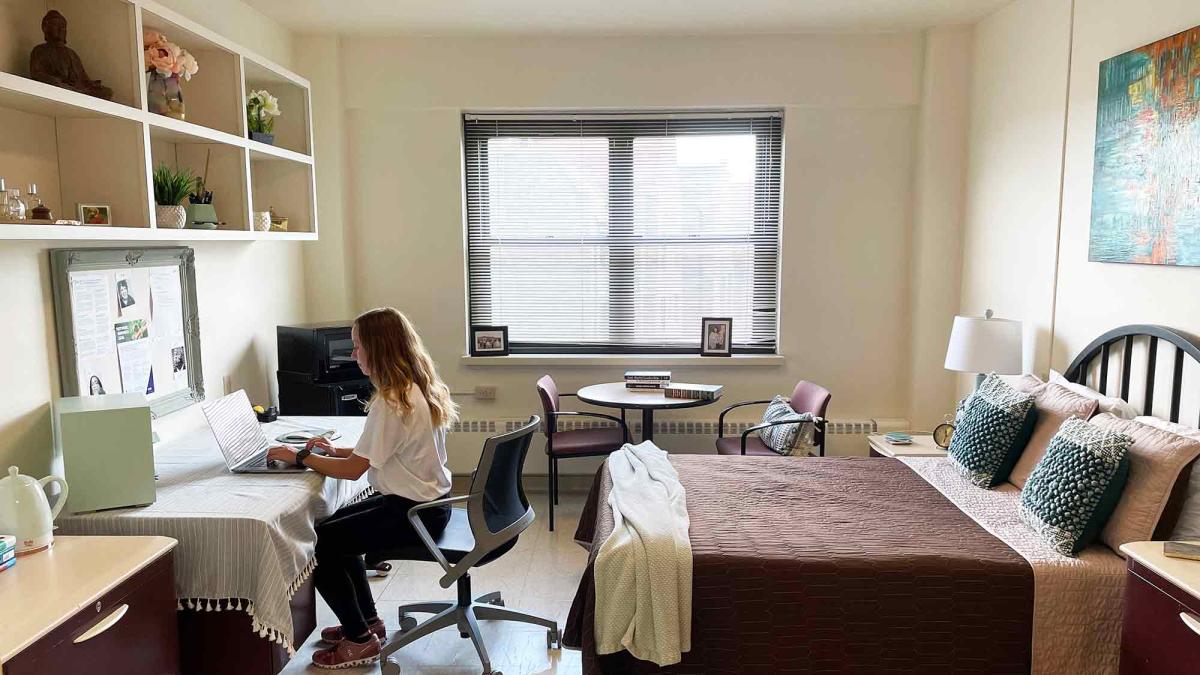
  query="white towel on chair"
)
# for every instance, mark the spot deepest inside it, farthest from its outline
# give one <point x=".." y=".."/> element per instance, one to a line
<point x="643" y="571"/>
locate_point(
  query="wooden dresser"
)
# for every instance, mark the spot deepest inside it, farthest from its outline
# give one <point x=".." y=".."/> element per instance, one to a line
<point x="1161" y="631"/>
<point x="91" y="605"/>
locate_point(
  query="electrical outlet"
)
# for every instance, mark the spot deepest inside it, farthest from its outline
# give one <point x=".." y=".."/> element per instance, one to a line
<point x="485" y="392"/>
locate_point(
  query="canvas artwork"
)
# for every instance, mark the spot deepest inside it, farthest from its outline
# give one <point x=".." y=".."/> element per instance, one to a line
<point x="1146" y="184"/>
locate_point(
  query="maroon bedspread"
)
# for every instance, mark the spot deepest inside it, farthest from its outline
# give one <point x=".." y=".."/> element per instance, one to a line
<point x="829" y="565"/>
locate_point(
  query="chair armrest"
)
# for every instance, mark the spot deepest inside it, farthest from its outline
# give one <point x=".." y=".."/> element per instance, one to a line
<point x="759" y="427"/>
<point x="423" y="532"/>
<point x="721" y="417"/>
<point x="620" y="422"/>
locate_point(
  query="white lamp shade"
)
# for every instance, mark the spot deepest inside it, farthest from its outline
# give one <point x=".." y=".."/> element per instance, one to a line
<point x="982" y="345"/>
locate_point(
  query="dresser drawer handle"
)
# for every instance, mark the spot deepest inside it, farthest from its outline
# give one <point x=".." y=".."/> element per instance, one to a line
<point x="1190" y="621"/>
<point x="106" y="623"/>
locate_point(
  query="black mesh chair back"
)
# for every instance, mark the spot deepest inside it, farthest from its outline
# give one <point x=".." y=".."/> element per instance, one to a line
<point x="497" y="481"/>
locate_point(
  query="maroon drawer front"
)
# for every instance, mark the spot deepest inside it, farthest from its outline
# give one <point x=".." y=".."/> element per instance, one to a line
<point x="143" y="641"/>
<point x="1155" y="639"/>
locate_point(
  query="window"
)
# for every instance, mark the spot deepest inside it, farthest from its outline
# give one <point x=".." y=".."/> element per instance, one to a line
<point x="617" y="233"/>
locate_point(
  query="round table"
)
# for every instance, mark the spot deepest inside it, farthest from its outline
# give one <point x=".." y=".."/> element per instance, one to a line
<point x="616" y="395"/>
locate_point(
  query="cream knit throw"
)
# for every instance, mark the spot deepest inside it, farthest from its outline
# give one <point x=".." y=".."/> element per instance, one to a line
<point x="643" y="571"/>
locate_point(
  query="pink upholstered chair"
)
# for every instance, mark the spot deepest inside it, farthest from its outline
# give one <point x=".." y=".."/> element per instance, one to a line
<point x="806" y="398"/>
<point x="575" y="442"/>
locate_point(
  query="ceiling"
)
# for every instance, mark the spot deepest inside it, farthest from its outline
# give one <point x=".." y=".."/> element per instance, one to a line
<point x="619" y="17"/>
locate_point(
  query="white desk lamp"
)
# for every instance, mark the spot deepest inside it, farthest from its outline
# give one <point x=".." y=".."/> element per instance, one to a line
<point x="984" y="345"/>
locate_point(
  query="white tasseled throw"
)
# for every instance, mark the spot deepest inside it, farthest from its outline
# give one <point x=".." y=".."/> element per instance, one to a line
<point x="643" y="571"/>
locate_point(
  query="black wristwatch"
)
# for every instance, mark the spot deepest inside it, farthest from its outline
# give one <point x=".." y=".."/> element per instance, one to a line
<point x="301" y="455"/>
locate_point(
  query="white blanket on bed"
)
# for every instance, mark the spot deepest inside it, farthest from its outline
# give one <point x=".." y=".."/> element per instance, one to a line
<point x="643" y="571"/>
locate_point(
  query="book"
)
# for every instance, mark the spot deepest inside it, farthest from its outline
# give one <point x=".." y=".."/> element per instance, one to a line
<point x="1180" y="549"/>
<point x="648" y="375"/>
<point x="7" y="543"/>
<point x="645" y="385"/>
<point x="703" y="392"/>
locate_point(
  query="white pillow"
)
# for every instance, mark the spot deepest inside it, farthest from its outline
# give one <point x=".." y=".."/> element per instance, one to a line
<point x="1117" y="407"/>
<point x="1188" y="525"/>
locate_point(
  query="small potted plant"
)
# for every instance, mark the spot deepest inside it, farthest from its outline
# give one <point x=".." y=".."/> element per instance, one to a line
<point x="261" y="110"/>
<point x="171" y="187"/>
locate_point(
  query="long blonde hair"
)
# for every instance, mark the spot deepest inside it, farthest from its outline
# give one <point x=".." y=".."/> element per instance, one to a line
<point x="398" y="359"/>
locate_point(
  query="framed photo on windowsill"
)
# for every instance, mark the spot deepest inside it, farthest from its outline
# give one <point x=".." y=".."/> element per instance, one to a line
<point x="716" y="336"/>
<point x="489" y="340"/>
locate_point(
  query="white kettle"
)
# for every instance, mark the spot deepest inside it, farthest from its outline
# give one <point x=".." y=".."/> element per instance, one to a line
<point x="25" y="512"/>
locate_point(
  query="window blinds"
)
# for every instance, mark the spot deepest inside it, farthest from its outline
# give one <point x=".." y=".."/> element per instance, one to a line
<point x="617" y="233"/>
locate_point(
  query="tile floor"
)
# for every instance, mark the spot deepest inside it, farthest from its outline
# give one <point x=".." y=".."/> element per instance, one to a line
<point x="538" y="576"/>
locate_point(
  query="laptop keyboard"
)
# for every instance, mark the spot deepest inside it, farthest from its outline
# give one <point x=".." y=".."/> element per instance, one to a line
<point x="259" y="463"/>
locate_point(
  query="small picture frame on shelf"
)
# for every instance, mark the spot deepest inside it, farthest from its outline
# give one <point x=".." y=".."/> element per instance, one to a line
<point x="95" y="214"/>
<point x="489" y="340"/>
<point x="716" y="336"/>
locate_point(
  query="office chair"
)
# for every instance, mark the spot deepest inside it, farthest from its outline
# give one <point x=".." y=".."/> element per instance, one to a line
<point x="496" y="513"/>
<point x="807" y="397"/>
<point x="592" y="442"/>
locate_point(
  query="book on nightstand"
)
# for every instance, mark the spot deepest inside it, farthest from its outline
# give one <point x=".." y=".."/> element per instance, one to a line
<point x="1180" y="549"/>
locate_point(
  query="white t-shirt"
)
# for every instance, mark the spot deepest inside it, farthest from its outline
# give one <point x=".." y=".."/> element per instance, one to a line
<point x="407" y="455"/>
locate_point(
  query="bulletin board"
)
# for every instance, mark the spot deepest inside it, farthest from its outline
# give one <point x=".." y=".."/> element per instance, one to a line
<point x="127" y="322"/>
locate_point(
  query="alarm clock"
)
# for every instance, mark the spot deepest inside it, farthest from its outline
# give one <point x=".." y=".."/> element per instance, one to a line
<point x="942" y="435"/>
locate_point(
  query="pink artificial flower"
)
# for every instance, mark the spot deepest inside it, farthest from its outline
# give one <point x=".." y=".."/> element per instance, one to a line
<point x="152" y="37"/>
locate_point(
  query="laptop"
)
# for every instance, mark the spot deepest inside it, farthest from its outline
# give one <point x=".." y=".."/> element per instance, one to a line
<point x="240" y="436"/>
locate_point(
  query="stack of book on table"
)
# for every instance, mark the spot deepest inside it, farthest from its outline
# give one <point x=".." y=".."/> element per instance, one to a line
<point x="647" y="379"/>
<point x="703" y="392"/>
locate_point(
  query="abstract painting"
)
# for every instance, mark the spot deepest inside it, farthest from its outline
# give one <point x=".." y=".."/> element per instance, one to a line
<point x="1146" y="184"/>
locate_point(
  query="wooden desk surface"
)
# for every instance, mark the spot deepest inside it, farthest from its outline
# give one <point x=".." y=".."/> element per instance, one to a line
<point x="46" y="588"/>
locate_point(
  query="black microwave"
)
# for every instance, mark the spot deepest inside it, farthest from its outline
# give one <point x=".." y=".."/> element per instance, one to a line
<point x="320" y="351"/>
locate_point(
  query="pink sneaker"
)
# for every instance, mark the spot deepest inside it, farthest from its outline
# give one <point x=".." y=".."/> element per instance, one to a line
<point x="348" y="654"/>
<point x="333" y="634"/>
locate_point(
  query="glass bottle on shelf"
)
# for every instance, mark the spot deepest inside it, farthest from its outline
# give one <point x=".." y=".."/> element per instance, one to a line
<point x="35" y="207"/>
<point x="16" y="207"/>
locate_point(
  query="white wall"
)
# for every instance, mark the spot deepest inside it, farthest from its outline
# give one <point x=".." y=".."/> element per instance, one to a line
<point x="1024" y="136"/>
<point x="854" y="127"/>
<point x="244" y="290"/>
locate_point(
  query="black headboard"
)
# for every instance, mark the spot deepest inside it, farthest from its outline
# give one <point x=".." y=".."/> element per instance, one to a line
<point x="1118" y="345"/>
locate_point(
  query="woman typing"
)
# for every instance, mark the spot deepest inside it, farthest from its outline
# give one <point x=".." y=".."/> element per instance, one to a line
<point x="403" y="452"/>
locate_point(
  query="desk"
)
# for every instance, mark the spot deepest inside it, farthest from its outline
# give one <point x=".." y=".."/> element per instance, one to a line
<point x="617" y="395"/>
<point x="245" y="540"/>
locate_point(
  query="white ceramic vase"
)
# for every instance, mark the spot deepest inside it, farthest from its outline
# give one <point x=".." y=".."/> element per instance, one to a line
<point x="262" y="221"/>
<point x="170" y="216"/>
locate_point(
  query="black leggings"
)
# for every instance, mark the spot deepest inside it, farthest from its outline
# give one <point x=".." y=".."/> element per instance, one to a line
<point x="377" y="523"/>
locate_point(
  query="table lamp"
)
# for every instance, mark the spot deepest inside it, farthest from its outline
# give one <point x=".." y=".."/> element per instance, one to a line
<point x="982" y="345"/>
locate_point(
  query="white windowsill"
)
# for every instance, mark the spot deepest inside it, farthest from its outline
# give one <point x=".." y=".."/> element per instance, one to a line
<point x="604" y="360"/>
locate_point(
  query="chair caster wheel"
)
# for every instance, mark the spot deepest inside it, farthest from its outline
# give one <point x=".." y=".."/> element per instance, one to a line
<point x="407" y="623"/>
<point x="383" y="569"/>
<point x="389" y="667"/>
<point x="553" y="639"/>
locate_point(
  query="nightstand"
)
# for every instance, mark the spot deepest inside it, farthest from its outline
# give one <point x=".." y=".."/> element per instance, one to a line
<point x="922" y="446"/>
<point x="1161" y="628"/>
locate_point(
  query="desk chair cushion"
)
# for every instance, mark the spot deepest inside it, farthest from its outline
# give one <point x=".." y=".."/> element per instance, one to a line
<point x="581" y="442"/>
<point x="732" y="445"/>
<point x="455" y="542"/>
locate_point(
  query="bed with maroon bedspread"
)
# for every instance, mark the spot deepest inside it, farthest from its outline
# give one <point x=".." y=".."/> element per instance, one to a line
<point x="828" y="565"/>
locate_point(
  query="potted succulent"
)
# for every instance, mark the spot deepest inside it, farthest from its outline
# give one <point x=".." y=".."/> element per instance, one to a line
<point x="171" y="187"/>
<point x="165" y="63"/>
<point x="261" y="110"/>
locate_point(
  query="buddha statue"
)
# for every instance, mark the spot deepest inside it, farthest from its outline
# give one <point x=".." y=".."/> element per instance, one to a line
<point x="53" y="62"/>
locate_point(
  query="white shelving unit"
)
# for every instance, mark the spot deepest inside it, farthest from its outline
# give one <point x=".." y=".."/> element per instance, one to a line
<point x="83" y="150"/>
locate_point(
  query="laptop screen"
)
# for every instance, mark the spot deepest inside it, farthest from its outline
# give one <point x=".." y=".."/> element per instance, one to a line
<point x="236" y="428"/>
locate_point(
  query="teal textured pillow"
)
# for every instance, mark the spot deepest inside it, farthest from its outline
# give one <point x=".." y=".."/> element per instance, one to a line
<point x="991" y="432"/>
<point x="1076" y="485"/>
